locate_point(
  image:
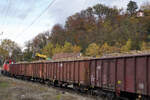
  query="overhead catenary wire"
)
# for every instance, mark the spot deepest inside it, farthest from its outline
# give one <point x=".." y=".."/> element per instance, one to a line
<point x="49" y="5"/>
<point x="5" y="11"/>
<point x="39" y="16"/>
<point x="22" y="19"/>
<point x="6" y="14"/>
<point x="30" y="25"/>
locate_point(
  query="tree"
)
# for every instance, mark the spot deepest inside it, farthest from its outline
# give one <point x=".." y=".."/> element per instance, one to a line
<point x="144" y="46"/>
<point x="57" y="49"/>
<point x="103" y="11"/>
<point x="28" y="55"/>
<point x="3" y="54"/>
<point x="80" y="29"/>
<point x="28" y="52"/>
<point x="145" y="5"/>
<point x="105" y="49"/>
<point x="35" y="45"/>
<point x="40" y="41"/>
<point x="17" y="54"/>
<point x="92" y="50"/>
<point x="67" y="48"/>
<point x="48" y="50"/>
<point x="127" y="47"/>
<point x="146" y="8"/>
<point x="132" y="7"/>
<point x="58" y="35"/>
<point x="76" y="49"/>
<point x="102" y="25"/>
<point x="11" y="49"/>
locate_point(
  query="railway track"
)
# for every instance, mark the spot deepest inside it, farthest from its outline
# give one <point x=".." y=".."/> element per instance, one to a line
<point x="18" y="89"/>
<point x="66" y="89"/>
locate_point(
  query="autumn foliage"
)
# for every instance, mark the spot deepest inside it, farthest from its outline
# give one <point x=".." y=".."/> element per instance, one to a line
<point x="97" y="31"/>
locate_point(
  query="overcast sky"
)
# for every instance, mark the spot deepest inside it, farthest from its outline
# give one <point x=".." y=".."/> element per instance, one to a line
<point x="17" y="15"/>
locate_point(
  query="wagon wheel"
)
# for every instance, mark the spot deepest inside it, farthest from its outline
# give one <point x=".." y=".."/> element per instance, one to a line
<point x="110" y="96"/>
<point x="145" y="98"/>
<point x="121" y="98"/>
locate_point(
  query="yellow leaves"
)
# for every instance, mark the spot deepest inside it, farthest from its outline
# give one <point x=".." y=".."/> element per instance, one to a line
<point x="3" y="52"/>
<point x="50" y="50"/>
<point x="92" y="50"/>
<point x="96" y="51"/>
<point x="57" y="49"/>
<point x="106" y="49"/>
<point x="107" y="26"/>
<point x="47" y="50"/>
<point x="76" y="49"/>
<point x="67" y="48"/>
<point x="9" y="48"/>
<point x="144" y="46"/>
<point x="127" y="47"/>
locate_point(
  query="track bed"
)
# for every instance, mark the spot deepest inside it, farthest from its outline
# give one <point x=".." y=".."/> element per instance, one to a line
<point x="14" y="89"/>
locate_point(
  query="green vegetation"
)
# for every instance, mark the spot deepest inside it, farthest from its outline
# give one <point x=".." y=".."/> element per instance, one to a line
<point x="92" y="50"/>
<point x="132" y="7"/>
<point x="9" y="48"/>
<point x="4" y="84"/>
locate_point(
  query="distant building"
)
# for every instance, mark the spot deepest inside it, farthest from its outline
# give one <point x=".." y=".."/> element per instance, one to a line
<point x="140" y="13"/>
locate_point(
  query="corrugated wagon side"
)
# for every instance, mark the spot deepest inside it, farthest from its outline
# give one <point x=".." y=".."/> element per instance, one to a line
<point x="128" y="75"/>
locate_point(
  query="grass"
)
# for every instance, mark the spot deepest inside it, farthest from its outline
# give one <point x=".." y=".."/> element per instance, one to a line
<point x="58" y="97"/>
<point x="3" y="84"/>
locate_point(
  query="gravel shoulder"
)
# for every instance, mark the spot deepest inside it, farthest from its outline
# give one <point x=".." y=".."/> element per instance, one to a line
<point x="13" y="89"/>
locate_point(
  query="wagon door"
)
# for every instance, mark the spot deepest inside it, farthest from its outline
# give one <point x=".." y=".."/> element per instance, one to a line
<point x="111" y="76"/>
<point x="72" y="71"/>
<point x="61" y="71"/>
<point x="141" y="72"/>
<point x="105" y="76"/>
<point x="130" y="75"/>
<point x="58" y="71"/>
<point x="44" y="70"/>
<point x="76" y="72"/>
<point x="98" y="73"/>
<point x="68" y="71"/>
<point x="65" y="72"/>
<point x="120" y="82"/>
<point x="93" y="72"/>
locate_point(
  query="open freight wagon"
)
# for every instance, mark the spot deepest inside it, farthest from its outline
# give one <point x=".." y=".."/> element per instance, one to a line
<point x="126" y="75"/>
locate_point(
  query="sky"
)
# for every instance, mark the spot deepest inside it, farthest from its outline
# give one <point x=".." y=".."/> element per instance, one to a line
<point x="17" y="16"/>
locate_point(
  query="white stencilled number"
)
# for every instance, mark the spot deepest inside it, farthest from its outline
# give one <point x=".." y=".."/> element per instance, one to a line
<point x="99" y="67"/>
<point x="141" y="86"/>
<point x="61" y="65"/>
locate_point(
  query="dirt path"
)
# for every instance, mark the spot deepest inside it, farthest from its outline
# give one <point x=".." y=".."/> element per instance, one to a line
<point x="13" y="89"/>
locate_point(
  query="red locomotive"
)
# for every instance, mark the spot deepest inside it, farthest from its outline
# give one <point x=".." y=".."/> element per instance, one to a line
<point x="6" y="64"/>
<point x="126" y="76"/>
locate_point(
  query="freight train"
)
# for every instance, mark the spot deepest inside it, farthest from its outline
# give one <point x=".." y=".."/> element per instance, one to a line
<point x="124" y="77"/>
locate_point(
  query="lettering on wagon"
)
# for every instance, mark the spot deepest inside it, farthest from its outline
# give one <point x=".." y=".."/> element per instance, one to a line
<point x="61" y="65"/>
<point x="141" y="86"/>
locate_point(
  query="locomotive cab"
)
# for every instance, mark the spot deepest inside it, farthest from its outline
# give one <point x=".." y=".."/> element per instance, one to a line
<point x="5" y="69"/>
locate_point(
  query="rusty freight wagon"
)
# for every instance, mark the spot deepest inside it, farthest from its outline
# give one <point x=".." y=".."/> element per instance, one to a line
<point x="126" y="76"/>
